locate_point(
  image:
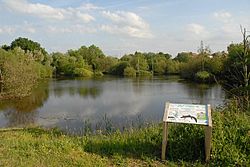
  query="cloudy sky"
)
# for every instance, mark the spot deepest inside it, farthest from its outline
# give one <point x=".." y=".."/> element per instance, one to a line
<point x="119" y="26"/>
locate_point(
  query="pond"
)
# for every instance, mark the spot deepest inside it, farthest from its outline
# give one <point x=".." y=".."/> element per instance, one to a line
<point x="79" y="105"/>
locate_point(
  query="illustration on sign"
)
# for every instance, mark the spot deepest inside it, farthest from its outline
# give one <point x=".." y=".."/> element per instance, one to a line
<point x="187" y="113"/>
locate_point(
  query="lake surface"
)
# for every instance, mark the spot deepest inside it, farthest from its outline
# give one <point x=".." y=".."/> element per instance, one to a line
<point x="78" y="105"/>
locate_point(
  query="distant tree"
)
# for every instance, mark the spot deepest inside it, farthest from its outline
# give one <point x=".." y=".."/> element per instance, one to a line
<point x="166" y="55"/>
<point x="183" y="57"/>
<point x="5" y="47"/>
<point x="118" y="69"/>
<point x="27" y="45"/>
<point x="173" y="67"/>
<point x="127" y="58"/>
<point x="129" y="71"/>
<point x="160" y="64"/>
<point x="139" y="62"/>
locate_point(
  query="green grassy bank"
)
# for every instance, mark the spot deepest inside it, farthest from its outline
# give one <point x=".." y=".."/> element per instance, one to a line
<point x="142" y="147"/>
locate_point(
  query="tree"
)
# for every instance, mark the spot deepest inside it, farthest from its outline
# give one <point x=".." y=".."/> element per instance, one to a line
<point x="160" y="64"/>
<point x="33" y="49"/>
<point x="118" y="69"/>
<point x="27" y="45"/>
<point x="139" y="62"/>
<point x="237" y="65"/>
<point x="245" y="56"/>
<point x="203" y="53"/>
<point x="183" y="57"/>
<point x="5" y="47"/>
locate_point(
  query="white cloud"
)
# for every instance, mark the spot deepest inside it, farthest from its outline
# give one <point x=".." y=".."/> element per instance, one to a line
<point x="228" y="25"/>
<point x="197" y="29"/>
<point x="47" y="12"/>
<point x="30" y="29"/>
<point x="71" y="29"/>
<point x="7" y="29"/>
<point x="84" y="17"/>
<point x="22" y="28"/>
<point x="127" y="30"/>
<point x="37" y="9"/>
<point x="89" y="6"/>
<point x="126" y="23"/>
<point x="223" y="16"/>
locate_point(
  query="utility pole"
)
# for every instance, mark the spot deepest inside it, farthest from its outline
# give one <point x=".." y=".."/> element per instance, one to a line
<point x="201" y="50"/>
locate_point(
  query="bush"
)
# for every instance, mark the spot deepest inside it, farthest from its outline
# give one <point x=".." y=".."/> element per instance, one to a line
<point x="231" y="137"/>
<point x="118" y="69"/>
<point x="43" y="71"/>
<point x="202" y="76"/>
<point x="81" y="72"/>
<point x="173" y="67"/>
<point x="129" y="71"/>
<point x="98" y="74"/>
<point x="144" y="73"/>
<point x="189" y="69"/>
<point x="18" y="73"/>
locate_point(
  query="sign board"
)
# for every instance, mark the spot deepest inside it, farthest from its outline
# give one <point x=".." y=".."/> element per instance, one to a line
<point x="190" y="114"/>
<point x="187" y="113"/>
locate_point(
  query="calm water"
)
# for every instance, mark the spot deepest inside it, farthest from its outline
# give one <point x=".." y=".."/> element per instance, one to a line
<point x="106" y="103"/>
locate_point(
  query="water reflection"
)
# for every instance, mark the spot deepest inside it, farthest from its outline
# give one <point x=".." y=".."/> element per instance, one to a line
<point x="83" y="105"/>
<point x="23" y="112"/>
<point x="74" y="87"/>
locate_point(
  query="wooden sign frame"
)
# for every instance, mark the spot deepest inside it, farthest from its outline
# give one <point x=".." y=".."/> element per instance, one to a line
<point x="173" y="113"/>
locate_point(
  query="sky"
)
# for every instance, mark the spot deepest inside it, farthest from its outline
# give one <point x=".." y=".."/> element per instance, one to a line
<point x="120" y="27"/>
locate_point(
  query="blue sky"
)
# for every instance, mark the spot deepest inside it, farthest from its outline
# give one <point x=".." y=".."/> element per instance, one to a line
<point x="120" y="27"/>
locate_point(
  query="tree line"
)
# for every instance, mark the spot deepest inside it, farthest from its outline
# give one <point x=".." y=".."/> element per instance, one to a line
<point x="24" y="62"/>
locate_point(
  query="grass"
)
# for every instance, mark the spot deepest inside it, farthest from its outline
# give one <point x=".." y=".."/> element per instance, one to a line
<point x="141" y="147"/>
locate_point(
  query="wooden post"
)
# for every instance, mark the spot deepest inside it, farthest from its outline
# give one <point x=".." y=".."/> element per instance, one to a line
<point x="208" y="135"/>
<point x="164" y="140"/>
<point x="165" y="132"/>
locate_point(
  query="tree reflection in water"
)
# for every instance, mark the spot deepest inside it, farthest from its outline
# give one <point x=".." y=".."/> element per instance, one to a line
<point x="73" y="88"/>
<point x="24" y="112"/>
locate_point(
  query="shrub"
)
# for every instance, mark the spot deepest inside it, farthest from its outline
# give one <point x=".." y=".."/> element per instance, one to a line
<point x="18" y="73"/>
<point x="81" y="72"/>
<point x="129" y="71"/>
<point x="202" y="76"/>
<point x="144" y="73"/>
<point x="98" y="74"/>
<point x="118" y="69"/>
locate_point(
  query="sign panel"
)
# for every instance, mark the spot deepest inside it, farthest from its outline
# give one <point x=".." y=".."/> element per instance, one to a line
<point x="187" y="113"/>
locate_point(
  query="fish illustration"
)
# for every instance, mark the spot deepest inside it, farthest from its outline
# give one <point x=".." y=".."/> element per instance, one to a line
<point x="189" y="116"/>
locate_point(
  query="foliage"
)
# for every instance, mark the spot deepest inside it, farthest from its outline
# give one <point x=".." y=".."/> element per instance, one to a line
<point x="215" y="65"/>
<point x="27" y="45"/>
<point x="32" y="49"/>
<point x="98" y="74"/>
<point x="144" y="73"/>
<point x="129" y="71"/>
<point x="118" y="69"/>
<point x="82" y="72"/>
<point x="202" y="76"/>
<point x="183" y="57"/>
<point x="231" y="138"/>
<point x="189" y="69"/>
<point x="139" y="62"/>
<point x="19" y="73"/>
<point x="173" y="67"/>
<point x="233" y="67"/>
<point x="160" y="65"/>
